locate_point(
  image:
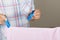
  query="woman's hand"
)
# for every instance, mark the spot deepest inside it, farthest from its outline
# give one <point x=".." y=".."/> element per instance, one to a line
<point x="2" y="19"/>
<point x="36" y="14"/>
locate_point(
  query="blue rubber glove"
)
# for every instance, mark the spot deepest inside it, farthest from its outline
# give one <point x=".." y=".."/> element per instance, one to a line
<point x="31" y="15"/>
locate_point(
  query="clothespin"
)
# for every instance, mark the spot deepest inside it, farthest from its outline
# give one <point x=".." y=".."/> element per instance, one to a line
<point x="30" y="15"/>
<point x="7" y="23"/>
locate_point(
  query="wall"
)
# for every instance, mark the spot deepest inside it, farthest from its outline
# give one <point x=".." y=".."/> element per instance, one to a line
<point x="50" y="13"/>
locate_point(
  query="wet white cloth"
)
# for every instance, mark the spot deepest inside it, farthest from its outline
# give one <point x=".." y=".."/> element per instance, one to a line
<point x="17" y="12"/>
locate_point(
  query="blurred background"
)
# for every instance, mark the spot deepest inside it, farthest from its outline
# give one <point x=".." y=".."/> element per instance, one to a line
<point x="50" y="13"/>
